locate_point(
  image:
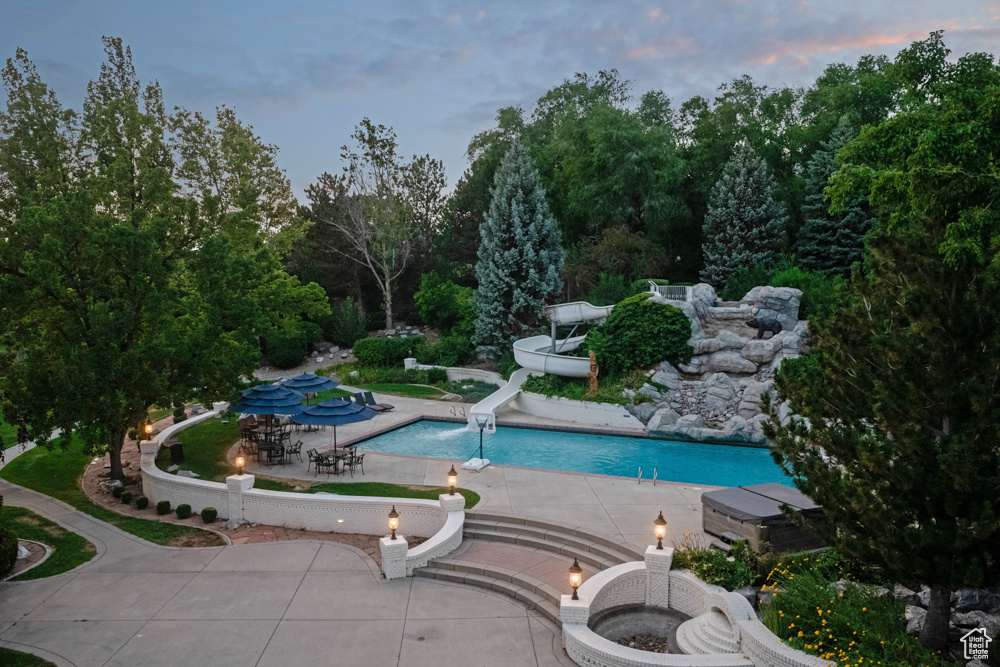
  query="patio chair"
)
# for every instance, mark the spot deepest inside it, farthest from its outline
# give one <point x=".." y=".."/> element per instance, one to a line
<point x="355" y="461"/>
<point x="369" y="402"/>
<point x="313" y="456"/>
<point x="295" y="449"/>
<point x="328" y="462"/>
<point x="373" y="404"/>
<point x="275" y="453"/>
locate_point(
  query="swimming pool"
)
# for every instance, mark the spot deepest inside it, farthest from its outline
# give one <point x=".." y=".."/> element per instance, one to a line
<point x="694" y="463"/>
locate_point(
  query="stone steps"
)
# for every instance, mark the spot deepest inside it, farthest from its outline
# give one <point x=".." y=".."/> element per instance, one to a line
<point x="707" y="634"/>
<point x="531" y="592"/>
<point x="598" y="551"/>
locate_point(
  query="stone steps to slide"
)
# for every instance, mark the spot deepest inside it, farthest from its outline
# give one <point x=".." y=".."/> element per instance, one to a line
<point x="709" y="633"/>
<point x="600" y="552"/>
<point x="533" y="593"/>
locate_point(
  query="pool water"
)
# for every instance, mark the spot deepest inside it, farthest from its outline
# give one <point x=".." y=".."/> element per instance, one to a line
<point x="694" y="463"/>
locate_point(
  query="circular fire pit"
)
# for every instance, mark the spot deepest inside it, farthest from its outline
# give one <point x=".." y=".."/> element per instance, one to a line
<point x="629" y="620"/>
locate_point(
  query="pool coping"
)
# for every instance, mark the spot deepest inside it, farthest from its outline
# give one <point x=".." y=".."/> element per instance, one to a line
<point x="614" y="431"/>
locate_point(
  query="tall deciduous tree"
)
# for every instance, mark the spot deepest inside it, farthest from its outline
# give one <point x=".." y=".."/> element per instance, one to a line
<point x="744" y="224"/>
<point x="389" y="206"/>
<point x="902" y="390"/>
<point x="831" y="242"/>
<point x="520" y="256"/>
<point x="116" y="292"/>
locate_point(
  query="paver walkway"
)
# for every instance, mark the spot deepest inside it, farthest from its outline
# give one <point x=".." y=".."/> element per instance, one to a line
<point x="281" y="603"/>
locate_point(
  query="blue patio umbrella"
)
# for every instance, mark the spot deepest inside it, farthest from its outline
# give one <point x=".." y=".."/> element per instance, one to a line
<point x="269" y="399"/>
<point x="310" y="383"/>
<point x="334" y="412"/>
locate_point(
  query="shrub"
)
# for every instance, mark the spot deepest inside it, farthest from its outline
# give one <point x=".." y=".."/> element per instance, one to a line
<point x="386" y="351"/>
<point x="179" y="414"/>
<point x="8" y="551"/>
<point x="286" y="349"/>
<point x="819" y="291"/>
<point x="163" y="507"/>
<point x="209" y="514"/>
<point x="854" y="626"/>
<point x="448" y="351"/>
<point x="437" y="376"/>
<point x="745" y="279"/>
<point x="610" y="288"/>
<point x="506" y="364"/>
<point x="446" y="306"/>
<point x="132" y="433"/>
<point x="141" y="503"/>
<point x="345" y="324"/>
<point x="311" y="332"/>
<point x="638" y="334"/>
<point x="126" y="498"/>
<point x="712" y="566"/>
<point x="183" y="511"/>
<point x="117" y="492"/>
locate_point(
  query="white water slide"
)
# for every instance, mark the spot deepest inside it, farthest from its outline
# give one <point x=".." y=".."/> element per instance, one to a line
<point x="537" y="355"/>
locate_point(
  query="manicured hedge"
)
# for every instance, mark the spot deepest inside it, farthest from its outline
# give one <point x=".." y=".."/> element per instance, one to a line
<point x="183" y="511"/>
<point x="141" y="503"/>
<point x="163" y="507"/>
<point x="209" y="514"/>
<point x="386" y="351"/>
<point x="126" y="498"/>
<point x="8" y="551"/>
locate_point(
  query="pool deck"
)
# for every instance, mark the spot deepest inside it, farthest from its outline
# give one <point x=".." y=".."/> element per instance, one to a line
<point x="615" y="507"/>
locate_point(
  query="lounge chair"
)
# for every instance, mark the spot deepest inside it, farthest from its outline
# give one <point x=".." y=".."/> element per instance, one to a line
<point x="375" y="405"/>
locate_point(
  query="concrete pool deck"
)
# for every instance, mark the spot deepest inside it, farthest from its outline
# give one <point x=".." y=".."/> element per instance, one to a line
<point x="614" y="507"/>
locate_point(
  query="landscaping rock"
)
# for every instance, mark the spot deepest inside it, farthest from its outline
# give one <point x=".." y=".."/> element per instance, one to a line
<point x="925" y="597"/>
<point x="761" y="351"/>
<point x="749" y="406"/>
<point x="644" y="412"/>
<point x="729" y="361"/>
<point x="737" y="425"/>
<point x="910" y="597"/>
<point x="730" y="341"/>
<point x="775" y="303"/>
<point x="688" y="421"/>
<point x="651" y="391"/>
<point x="667" y="376"/>
<point x="975" y="599"/>
<point x="646" y="643"/>
<point x="662" y="418"/>
<point x="914" y="619"/>
<point x="978" y="619"/>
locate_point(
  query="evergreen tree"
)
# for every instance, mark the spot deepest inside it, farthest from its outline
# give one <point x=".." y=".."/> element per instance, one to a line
<point x="744" y="224"/>
<point x="902" y="385"/>
<point x="831" y="242"/>
<point x="520" y="255"/>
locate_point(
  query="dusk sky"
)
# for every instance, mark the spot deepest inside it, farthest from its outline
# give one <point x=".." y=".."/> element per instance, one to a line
<point x="303" y="74"/>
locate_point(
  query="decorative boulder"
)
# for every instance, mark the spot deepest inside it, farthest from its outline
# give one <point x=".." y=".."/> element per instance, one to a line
<point x="749" y="406"/>
<point x="775" y="303"/>
<point x="761" y="351"/>
<point x="720" y="390"/>
<point x="729" y="361"/>
<point x="666" y="375"/>
<point x="730" y="340"/>
<point x="737" y="425"/>
<point x="662" y="418"/>
<point x="690" y="421"/>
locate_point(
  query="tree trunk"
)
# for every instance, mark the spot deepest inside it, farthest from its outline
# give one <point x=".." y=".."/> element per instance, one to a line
<point x="115" y="454"/>
<point x="387" y="295"/>
<point x="934" y="634"/>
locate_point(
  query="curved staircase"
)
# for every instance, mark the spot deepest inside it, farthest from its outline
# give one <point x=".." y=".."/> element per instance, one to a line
<point x="521" y="543"/>
<point x="709" y="633"/>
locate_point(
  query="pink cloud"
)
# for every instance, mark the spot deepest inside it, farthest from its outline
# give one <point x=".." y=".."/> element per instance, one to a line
<point x="799" y="48"/>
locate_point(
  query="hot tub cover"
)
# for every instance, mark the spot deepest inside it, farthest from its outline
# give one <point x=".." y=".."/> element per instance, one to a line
<point x="759" y="504"/>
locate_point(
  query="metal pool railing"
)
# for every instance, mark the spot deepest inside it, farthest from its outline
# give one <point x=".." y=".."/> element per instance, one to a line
<point x="672" y="292"/>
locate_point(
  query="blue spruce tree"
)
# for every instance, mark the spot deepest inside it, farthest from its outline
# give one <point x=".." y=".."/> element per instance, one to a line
<point x="520" y="255"/>
<point x="831" y="243"/>
<point x="744" y="225"/>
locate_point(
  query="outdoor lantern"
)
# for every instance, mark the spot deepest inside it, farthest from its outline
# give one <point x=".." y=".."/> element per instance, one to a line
<point x="393" y="521"/>
<point x="452" y="478"/>
<point x="149" y="426"/>
<point x="240" y="462"/>
<point x="575" y="572"/>
<point x="661" y="530"/>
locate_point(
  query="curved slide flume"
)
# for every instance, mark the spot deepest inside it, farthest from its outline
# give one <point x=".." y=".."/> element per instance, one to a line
<point x="535" y="356"/>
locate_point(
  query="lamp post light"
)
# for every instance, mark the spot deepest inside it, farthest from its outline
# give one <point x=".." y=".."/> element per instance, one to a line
<point x="661" y="530"/>
<point x="575" y="572"/>
<point x="240" y="462"/>
<point x="452" y="478"/>
<point x="148" y="427"/>
<point x="393" y="521"/>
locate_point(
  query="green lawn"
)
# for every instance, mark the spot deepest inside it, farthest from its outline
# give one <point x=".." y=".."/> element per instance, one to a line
<point x="11" y="658"/>
<point x="56" y="473"/>
<point x="206" y="444"/>
<point x="336" y="392"/>
<point x="68" y="549"/>
<point x="408" y="390"/>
